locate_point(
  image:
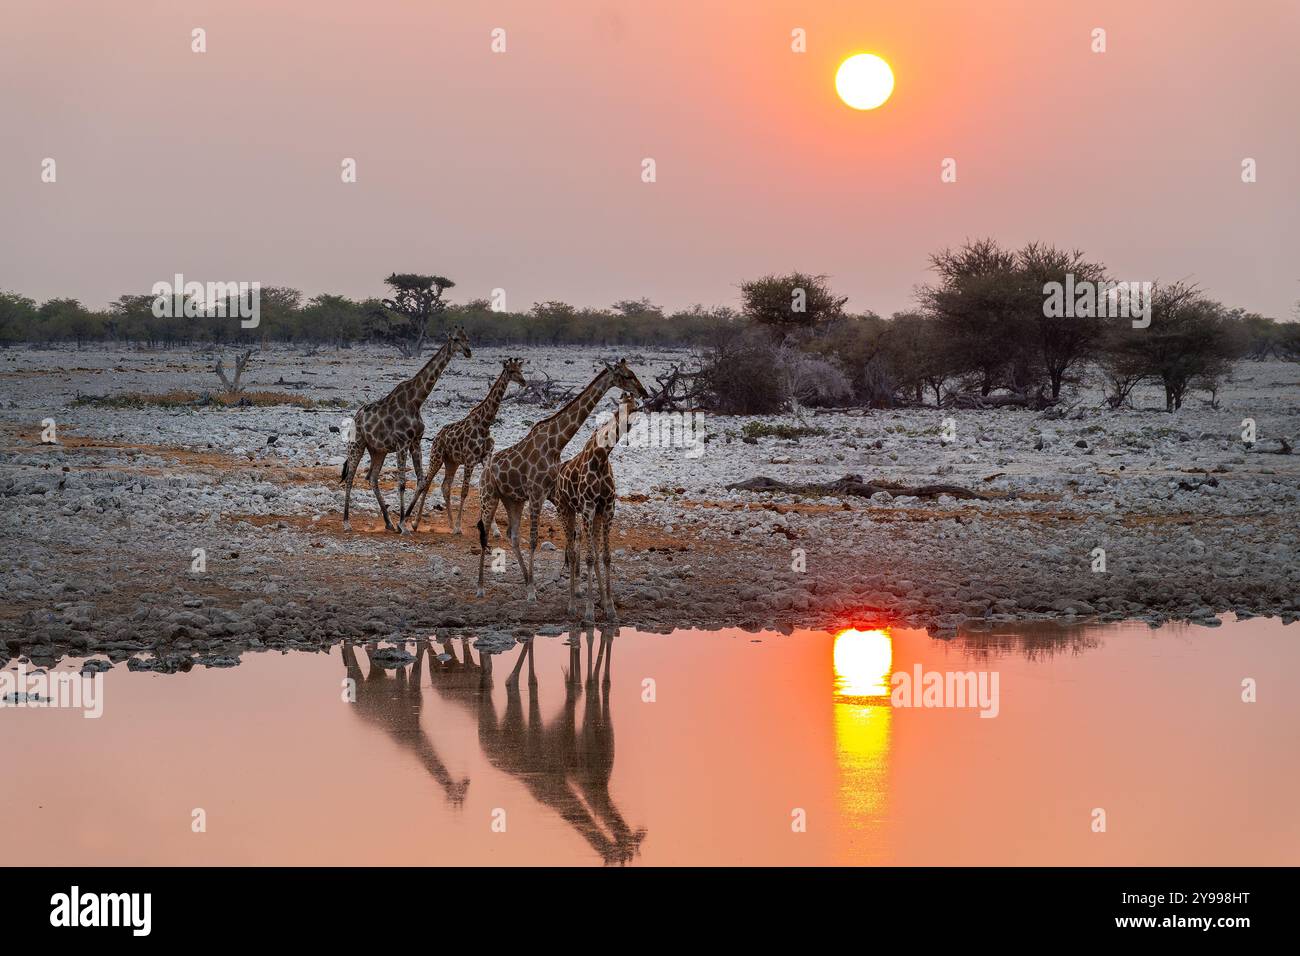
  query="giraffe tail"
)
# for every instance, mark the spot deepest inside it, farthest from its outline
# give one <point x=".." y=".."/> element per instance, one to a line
<point x="347" y="458"/>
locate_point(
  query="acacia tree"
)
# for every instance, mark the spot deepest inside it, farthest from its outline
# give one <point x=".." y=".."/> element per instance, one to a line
<point x="790" y="303"/>
<point x="405" y="317"/>
<point x="915" y="350"/>
<point x="1190" y="341"/>
<point x="1065" y="342"/>
<point x="641" y="308"/>
<point x="991" y="305"/>
<point x="983" y="308"/>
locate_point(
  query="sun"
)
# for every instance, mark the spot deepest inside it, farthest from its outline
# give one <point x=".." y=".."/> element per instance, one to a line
<point x="864" y="81"/>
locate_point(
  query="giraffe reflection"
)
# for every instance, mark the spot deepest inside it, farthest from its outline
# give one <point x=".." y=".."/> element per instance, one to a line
<point x="565" y="767"/>
<point x="393" y="703"/>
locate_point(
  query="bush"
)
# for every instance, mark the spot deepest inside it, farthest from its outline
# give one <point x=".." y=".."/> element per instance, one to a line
<point x="1191" y="342"/>
<point x="783" y="432"/>
<point x="786" y="304"/>
<point x="814" y="381"/>
<point x="743" y="375"/>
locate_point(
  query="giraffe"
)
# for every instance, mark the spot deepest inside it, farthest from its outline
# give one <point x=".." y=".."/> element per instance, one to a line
<point x="394" y="424"/>
<point x="525" y="472"/>
<point x="584" y="490"/>
<point x="466" y="442"/>
<point x="565" y="767"/>
<point x="394" y="704"/>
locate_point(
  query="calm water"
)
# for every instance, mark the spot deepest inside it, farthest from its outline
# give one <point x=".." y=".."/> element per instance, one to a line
<point x="743" y="739"/>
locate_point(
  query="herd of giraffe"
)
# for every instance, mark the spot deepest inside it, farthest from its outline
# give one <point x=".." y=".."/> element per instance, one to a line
<point x="529" y="472"/>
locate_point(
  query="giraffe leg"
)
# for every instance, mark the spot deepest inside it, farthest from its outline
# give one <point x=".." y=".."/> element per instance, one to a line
<point x="401" y="489"/>
<point x="464" y="493"/>
<point x="350" y="468"/>
<point x="417" y="505"/>
<point x="416" y="455"/>
<point x="513" y="679"/>
<point x="534" y="524"/>
<point x="515" y="512"/>
<point x="589" y="593"/>
<point x="595" y="557"/>
<point x="571" y="558"/>
<point x="448" y="480"/>
<point x="376" y="466"/>
<point x="486" y="518"/>
<point x="606" y="520"/>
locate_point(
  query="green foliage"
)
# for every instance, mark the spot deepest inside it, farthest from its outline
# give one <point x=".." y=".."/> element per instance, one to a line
<point x="17" y="318"/>
<point x="1192" y="341"/>
<point x="339" y="321"/>
<point x="989" y="306"/>
<point x="407" y="317"/>
<point x="782" y="431"/>
<point x="789" y="303"/>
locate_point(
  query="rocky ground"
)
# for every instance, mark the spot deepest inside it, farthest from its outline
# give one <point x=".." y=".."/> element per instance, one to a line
<point x="101" y="526"/>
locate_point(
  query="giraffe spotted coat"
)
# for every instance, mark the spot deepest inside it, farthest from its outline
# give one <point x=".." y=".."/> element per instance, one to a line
<point x="525" y="473"/>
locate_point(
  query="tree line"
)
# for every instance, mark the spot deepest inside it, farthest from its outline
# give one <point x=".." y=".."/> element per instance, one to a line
<point x="414" y="311"/>
<point x="982" y="331"/>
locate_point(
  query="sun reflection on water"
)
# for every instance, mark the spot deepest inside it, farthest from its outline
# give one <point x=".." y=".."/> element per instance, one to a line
<point x="863" y="662"/>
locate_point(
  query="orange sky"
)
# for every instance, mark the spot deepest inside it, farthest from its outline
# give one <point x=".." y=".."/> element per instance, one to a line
<point x="522" y="170"/>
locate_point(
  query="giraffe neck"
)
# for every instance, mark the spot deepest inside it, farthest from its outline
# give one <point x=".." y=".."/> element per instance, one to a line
<point x="565" y="423"/>
<point x="427" y="377"/>
<point x="486" y="411"/>
<point x="612" y="431"/>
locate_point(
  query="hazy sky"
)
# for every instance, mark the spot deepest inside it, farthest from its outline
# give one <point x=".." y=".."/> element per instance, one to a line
<point x="522" y="170"/>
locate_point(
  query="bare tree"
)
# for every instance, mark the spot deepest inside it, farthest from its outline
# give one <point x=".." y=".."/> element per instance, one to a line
<point x="232" y="385"/>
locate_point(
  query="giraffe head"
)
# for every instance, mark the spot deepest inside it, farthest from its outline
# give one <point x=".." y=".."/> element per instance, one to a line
<point x="459" y="339"/>
<point x="626" y="379"/>
<point x="514" y="369"/>
<point x="608" y="434"/>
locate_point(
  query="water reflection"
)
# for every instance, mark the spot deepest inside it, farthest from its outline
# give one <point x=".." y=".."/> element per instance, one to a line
<point x="1035" y="640"/>
<point x="565" y="764"/>
<point x="863" y="662"/>
<point x="393" y="703"/>
<point x="742" y="731"/>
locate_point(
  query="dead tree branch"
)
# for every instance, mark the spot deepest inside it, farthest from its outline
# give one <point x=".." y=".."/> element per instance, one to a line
<point x="233" y="386"/>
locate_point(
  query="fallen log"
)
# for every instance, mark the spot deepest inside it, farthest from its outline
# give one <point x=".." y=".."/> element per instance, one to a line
<point x="970" y="401"/>
<point x="854" y="485"/>
<point x="1283" y="447"/>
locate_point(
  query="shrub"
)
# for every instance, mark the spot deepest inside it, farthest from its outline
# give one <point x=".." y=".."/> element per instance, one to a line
<point x="1191" y="341"/>
<point x="814" y="381"/>
<point x="743" y="375"/>
<point x="784" y="432"/>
